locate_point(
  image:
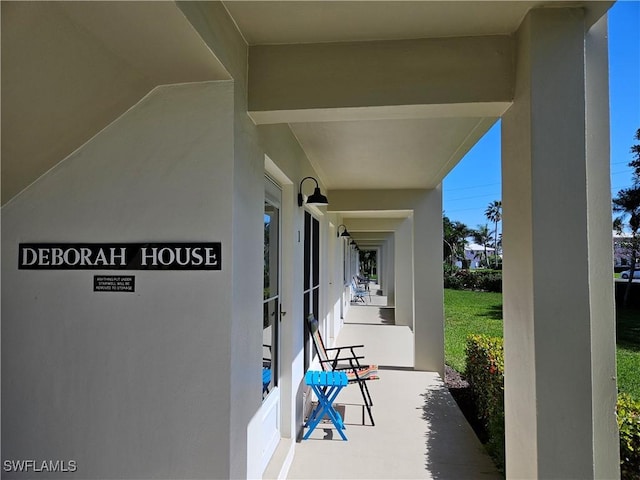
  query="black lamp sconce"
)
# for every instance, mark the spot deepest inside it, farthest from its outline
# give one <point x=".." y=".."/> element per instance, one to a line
<point x="343" y="234"/>
<point x="316" y="198"/>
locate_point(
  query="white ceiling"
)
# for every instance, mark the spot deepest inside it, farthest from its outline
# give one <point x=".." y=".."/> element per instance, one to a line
<point x="397" y="153"/>
<point x="384" y="154"/>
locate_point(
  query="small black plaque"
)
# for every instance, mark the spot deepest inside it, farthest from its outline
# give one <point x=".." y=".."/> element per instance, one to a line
<point x="114" y="283"/>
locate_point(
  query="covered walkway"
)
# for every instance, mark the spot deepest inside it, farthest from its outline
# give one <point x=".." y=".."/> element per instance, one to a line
<point x="419" y="431"/>
<point x="205" y="124"/>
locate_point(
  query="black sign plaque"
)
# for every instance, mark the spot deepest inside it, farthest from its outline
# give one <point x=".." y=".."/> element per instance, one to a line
<point x="114" y="283"/>
<point x="120" y="256"/>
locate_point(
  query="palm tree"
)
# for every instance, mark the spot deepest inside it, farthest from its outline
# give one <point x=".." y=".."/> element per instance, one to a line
<point x="627" y="204"/>
<point x="482" y="236"/>
<point x="454" y="238"/>
<point x="494" y="214"/>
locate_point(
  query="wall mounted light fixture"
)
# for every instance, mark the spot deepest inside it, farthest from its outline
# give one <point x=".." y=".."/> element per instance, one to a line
<point x="343" y="234"/>
<point x="316" y="198"/>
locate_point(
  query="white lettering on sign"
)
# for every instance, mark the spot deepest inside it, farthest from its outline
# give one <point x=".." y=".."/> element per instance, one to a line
<point x="182" y="256"/>
<point x="124" y="256"/>
<point x="29" y="257"/>
<point x="56" y="256"/>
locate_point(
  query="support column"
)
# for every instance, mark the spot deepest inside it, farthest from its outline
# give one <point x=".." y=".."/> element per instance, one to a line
<point x="389" y="259"/>
<point x="404" y="274"/>
<point x="560" y="386"/>
<point x="427" y="284"/>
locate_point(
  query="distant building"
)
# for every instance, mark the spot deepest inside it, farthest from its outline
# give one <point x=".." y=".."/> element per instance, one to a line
<point x="621" y="254"/>
<point x="474" y="254"/>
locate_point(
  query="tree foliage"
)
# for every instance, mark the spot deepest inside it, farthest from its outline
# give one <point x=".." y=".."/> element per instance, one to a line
<point x="482" y="236"/>
<point x="455" y="239"/>
<point x="494" y="215"/>
<point x="627" y="205"/>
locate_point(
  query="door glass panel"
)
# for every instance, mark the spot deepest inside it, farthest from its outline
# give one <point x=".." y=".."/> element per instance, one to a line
<point x="311" y="281"/>
<point x="271" y="298"/>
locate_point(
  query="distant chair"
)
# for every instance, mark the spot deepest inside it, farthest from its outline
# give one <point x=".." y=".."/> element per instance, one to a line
<point x="362" y="282"/>
<point x="356" y="372"/>
<point x="266" y="381"/>
<point x="266" y="370"/>
<point x="359" y="294"/>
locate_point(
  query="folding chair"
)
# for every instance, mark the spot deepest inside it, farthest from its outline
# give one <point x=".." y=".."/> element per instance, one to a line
<point x="358" y="294"/>
<point x="356" y="372"/>
<point x="266" y="370"/>
<point x="362" y="282"/>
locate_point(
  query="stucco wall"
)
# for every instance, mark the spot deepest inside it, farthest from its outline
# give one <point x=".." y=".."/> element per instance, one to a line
<point x="129" y="385"/>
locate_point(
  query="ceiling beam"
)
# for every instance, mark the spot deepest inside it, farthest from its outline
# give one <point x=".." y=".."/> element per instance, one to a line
<point x="463" y="76"/>
<point x="374" y="200"/>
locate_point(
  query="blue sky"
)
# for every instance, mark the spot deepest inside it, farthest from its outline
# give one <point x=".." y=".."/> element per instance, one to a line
<point x="475" y="181"/>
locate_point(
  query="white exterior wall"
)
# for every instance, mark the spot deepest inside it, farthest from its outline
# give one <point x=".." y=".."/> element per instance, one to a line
<point x="124" y="383"/>
<point x="288" y="165"/>
<point x="189" y="345"/>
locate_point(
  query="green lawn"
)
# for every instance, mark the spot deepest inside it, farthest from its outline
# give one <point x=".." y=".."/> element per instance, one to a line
<point x="469" y="312"/>
<point x="479" y="312"/>
<point x="628" y="340"/>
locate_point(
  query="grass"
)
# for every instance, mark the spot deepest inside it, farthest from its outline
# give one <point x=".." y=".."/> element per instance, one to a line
<point x="469" y="312"/>
<point x="481" y="312"/>
<point x="628" y="351"/>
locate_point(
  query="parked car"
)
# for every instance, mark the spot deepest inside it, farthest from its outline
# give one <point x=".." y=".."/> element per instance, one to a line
<point x="625" y="274"/>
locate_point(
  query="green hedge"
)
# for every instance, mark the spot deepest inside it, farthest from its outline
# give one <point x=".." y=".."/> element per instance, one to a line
<point x="629" y="424"/>
<point x="487" y="280"/>
<point x="485" y="374"/>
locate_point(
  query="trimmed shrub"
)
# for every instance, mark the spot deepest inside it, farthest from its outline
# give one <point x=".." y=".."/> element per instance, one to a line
<point x="453" y="282"/>
<point x="485" y="374"/>
<point x="629" y="424"/>
<point x="468" y="279"/>
<point x="490" y="282"/>
<point x="487" y="280"/>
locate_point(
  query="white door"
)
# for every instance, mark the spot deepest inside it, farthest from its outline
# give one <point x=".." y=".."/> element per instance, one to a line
<point x="271" y="322"/>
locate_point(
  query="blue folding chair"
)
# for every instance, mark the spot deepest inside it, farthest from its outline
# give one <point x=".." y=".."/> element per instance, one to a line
<point x="327" y="386"/>
<point x="266" y="380"/>
<point x="359" y="294"/>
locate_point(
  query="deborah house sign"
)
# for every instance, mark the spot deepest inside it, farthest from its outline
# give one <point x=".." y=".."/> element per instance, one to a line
<point x="120" y="256"/>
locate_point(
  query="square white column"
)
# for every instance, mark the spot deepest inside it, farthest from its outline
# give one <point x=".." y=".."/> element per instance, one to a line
<point x="560" y="385"/>
<point x="428" y="283"/>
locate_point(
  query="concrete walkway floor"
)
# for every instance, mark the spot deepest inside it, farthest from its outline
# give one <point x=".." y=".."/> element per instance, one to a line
<point x="419" y="432"/>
